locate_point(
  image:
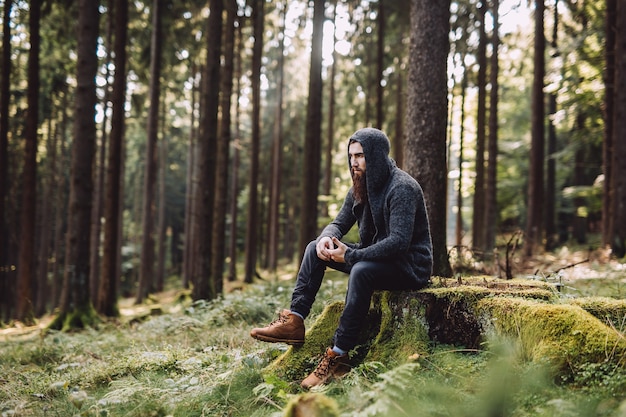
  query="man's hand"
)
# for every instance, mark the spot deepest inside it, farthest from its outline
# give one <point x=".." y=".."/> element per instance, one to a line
<point x="323" y="248"/>
<point x="337" y="254"/>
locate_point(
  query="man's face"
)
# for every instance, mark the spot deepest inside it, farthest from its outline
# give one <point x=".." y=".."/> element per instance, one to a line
<point x="357" y="159"/>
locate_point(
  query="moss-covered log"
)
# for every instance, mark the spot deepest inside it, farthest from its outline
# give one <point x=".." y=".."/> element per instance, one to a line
<point x="466" y="313"/>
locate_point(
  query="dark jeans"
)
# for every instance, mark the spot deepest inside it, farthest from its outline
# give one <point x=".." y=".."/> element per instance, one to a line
<point x="365" y="278"/>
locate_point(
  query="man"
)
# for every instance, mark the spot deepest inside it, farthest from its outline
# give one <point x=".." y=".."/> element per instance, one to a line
<point x="394" y="252"/>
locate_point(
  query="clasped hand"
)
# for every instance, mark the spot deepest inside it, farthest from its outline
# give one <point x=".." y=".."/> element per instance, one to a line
<point x="331" y="249"/>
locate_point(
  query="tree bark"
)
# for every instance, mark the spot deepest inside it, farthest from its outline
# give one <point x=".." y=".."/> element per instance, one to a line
<point x="607" y="144"/>
<point x="252" y="225"/>
<point x="491" y="206"/>
<point x="108" y="291"/>
<point x="223" y="147"/>
<point x="478" y="217"/>
<point x="619" y="136"/>
<point x="534" y="215"/>
<point x="273" y="228"/>
<point x="427" y="114"/>
<point x="146" y="263"/>
<point x="25" y="266"/>
<point x="76" y="307"/>
<point x="203" y="283"/>
<point x="312" y="139"/>
<point x="5" y="96"/>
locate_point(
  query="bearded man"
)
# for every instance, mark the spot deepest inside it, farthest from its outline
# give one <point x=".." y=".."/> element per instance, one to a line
<point x="394" y="252"/>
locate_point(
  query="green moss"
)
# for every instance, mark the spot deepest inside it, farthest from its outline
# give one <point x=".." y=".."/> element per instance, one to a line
<point x="564" y="335"/>
<point x="609" y="310"/>
<point x="312" y="405"/>
<point x="297" y="361"/>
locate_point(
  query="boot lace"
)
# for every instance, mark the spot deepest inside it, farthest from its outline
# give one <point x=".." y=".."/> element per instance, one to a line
<point x="282" y="319"/>
<point x="325" y="366"/>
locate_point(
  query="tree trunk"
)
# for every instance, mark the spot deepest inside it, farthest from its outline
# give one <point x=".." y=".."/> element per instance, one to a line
<point x="161" y="230"/>
<point x="534" y="213"/>
<point x="478" y="217"/>
<point x="607" y="144"/>
<point x="550" y="199"/>
<point x="5" y="95"/>
<point x="252" y="224"/>
<point x="426" y="121"/>
<point x="236" y="149"/>
<point x="223" y="148"/>
<point x="273" y="228"/>
<point x="459" y="198"/>
<point x="312" y="139"/>
<point x="76" y="307"/>
<point x="43" y="266"/>
<point x="108" y="291"/>
<point x="100" y="167"/>
<point x="618" y="243"/>
<point x="25" y="266"/>
<point x="491" y="209"/>
<point x="398" y="140"/>
<point x="146" y="263"/>
<point x="380" y="64"/>
<point x="203" y="287"/>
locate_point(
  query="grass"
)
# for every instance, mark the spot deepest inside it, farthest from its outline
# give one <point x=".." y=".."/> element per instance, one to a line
<point x="197" y="359"/>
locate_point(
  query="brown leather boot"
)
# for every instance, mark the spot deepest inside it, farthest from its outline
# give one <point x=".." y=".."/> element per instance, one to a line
<point x="332" y="365"/>
<point x="288" y="328"/>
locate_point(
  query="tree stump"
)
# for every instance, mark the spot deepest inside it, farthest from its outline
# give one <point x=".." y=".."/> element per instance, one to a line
<point x="567" y="333"/>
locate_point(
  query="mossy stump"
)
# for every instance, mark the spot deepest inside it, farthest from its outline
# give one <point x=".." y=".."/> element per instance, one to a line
<point x="466" y="313"/>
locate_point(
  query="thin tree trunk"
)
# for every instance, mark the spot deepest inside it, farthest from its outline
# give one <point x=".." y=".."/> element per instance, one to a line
<point x="25" y="268"/>
<point x="76" y="306"/>
<point x="162" y="221"/>
<point x="398" y="145"/>
<point x="607" y="145"/>
<point x="98" y="195"/>
<point x="188" y="244"/>
<point x="618" y="243"/>
<point x="146" y="263"/>
<point x="223" y="145"/>
<point x="328" y="160"/>
<point x="459" y="198"/>
<point x="203" y="283"/>
<point x="43" y="266"/>
<point x="236" y="150"/>
<point x="380" y="64"/>
<point x="550" y="198"/>
<point x="252" y="224"/>
<point x="108" y="291"/>
<point x="277" y="153"/>
<point x="478" y="217"/>
<point x="5" y="99"/>
<point x="312" y="138"/>
<point x="491" y="209"/>
<point x="535" y="184"/>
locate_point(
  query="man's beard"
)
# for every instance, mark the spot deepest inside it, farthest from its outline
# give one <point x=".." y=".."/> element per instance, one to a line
<point x="359" y="188"/>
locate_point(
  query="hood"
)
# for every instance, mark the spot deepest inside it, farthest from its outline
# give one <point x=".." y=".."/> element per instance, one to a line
<point x="378" y="165"/>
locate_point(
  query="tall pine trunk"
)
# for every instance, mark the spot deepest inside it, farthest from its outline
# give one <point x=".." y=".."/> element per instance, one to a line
<point x="109" y="278"/>
<point x="534" y="212"/>
<point x="203" y="287"/>
<point x="491" y="212"/>
<point x="5" y="95"/>
<point x="607" y="144"/>
<point x="478" y="217"/>
<point x="312" y="139"/>
<point x="146" y="263"/>
<point x="252" y="224"/>
<point x="25" y="266"/>
<point x="223" y="144"/>
<point x="427" y="115"/>
<point x="76" y="306"/>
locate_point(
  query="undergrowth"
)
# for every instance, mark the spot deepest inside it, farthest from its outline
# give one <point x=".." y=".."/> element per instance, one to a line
<point x="197" y="359"/>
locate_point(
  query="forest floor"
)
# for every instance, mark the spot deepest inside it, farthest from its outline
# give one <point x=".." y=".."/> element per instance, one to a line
<point x="174" y="357"/>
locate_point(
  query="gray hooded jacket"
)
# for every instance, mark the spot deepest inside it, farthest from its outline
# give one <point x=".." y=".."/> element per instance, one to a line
<point x="393" y="223"/>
